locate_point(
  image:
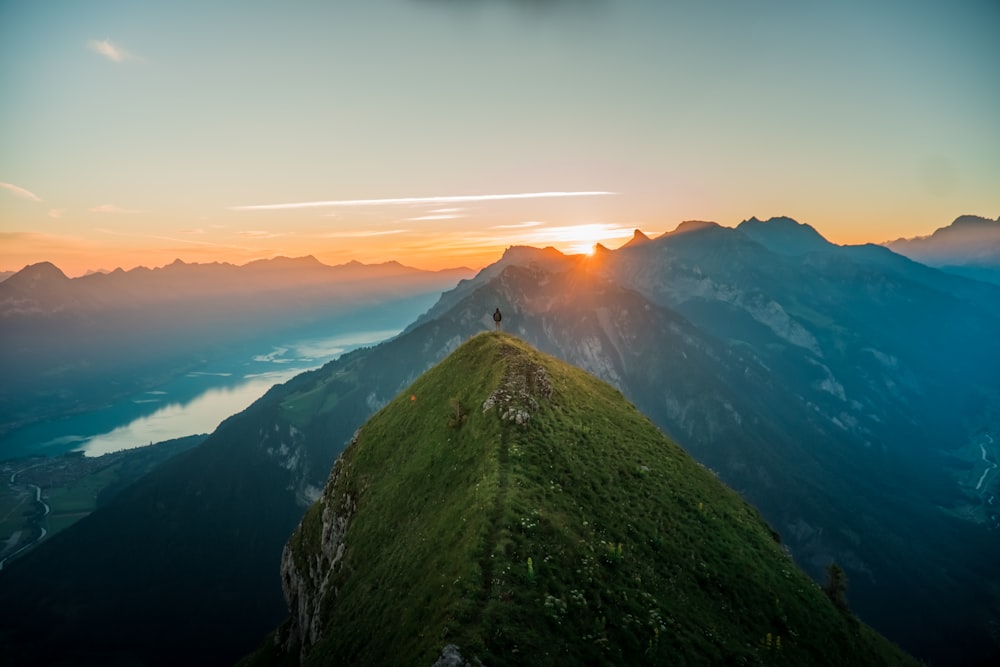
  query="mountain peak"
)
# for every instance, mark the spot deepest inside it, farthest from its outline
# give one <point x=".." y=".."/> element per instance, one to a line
<point x="784" y="235"/>
<point x="507" y="506"/>
<point x="37" y="275"/>
<point x="282" y="262"/>
<point x="638" y="238"/>
<point x="970" y="246"/>
<point x="974" y="221"/>
<point x="518" y="252"/>
<point x="689" y="226"/>
<point x="527" y="255"/>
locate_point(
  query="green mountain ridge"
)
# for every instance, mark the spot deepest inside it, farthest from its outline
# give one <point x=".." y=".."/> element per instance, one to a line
<point x="514" y="509"/>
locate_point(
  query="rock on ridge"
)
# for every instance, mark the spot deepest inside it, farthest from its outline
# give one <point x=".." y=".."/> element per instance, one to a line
<point x="522" y="381"/>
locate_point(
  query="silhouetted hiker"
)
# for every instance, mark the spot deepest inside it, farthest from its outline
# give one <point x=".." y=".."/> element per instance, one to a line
<point x="497" y="317"/>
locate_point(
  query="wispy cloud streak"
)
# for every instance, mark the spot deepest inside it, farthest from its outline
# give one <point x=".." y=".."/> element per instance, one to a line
<point x="260" y="234"/>
<point x="199" y="243"/>
<point x="402" y="201"/>
<point x="362" y="234"/>
<point x="518" y="225"/>
<point x="438" y="216"/>
<point x="108" y="50"/>
<point x="112" y="208"/>
<point x="20" y="192"/>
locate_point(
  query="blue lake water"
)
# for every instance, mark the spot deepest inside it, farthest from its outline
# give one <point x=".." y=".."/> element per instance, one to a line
<point x="194" y="403"/>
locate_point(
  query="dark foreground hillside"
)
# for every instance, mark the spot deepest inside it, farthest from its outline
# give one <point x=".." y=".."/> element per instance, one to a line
<point x="515" y="510"/>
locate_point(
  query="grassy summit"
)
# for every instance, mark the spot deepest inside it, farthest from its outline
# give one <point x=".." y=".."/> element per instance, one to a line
<point x="516" y="507"/>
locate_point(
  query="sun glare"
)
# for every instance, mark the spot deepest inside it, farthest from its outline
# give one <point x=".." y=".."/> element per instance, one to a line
<point x="581" y="239"/>
<point x="582" y="249"/>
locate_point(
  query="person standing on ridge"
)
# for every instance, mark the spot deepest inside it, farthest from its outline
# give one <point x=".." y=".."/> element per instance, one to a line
<point x="497" y="317"/>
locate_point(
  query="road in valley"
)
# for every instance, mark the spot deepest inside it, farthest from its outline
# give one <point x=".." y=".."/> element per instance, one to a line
<point x="990" y="465"/>
<point x="45" y="512"/>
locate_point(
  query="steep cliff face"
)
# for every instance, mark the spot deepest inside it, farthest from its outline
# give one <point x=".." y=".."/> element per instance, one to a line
<point x="307" y="568"/>
<point x="510" y="509"/>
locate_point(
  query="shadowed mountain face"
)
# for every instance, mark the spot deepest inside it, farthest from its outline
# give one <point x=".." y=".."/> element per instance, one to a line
<point x="513" y="509"/>
<point x="847" y="392"/>
<point x="970" y="246"/>
<point x="83" y="342"/>
<point x="785" y="236"/>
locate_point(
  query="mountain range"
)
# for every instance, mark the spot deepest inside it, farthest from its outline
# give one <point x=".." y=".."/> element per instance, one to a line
<point x="81" y="342"/>
<point x="969" y="246"/>
<point x="847" y="392"/>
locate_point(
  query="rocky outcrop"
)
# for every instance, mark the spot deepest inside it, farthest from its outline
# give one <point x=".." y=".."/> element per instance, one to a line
<point x="515" y="399"/>
<point x="307" y="568"/>
<point x="451" y="656"/>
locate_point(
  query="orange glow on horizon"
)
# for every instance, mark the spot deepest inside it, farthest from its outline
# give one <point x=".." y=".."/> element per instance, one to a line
<point x="429" y="238"/>
<point x="465" y="245"/>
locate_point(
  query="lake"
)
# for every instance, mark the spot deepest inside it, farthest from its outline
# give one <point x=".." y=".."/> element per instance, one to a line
<point x="193" y="403"/>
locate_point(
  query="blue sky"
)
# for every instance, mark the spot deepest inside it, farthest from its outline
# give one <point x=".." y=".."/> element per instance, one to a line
<point x="136" y="132"/>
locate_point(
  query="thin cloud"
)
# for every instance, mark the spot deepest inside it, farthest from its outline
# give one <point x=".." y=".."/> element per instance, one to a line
<point x="518" y="225"/>
<point x="533" y="8"/>
<point x="439" y="216"/>
<point x="259" y="234"/>
<point x="56" y="212"/>
<point x="20" y="192"/>
<point x="111" y="208"/>
<point x="200" y="243"/>
<point x="110" y="51"/>
<point x="361" y="234"/>
<point x="400" y="201"/>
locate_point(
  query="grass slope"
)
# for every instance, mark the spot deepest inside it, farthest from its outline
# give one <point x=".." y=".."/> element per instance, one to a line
<point x="581" y="536"/>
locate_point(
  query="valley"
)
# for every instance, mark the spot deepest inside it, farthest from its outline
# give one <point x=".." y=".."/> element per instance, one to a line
<point x="192" y="401"/>
<point x="61" y="469"/>
<point x="974" y="471"/>
<point x="43" y="495"/>
<point x="80" y="345"/>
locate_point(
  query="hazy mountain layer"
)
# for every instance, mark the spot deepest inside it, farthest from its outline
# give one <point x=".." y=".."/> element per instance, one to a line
<point x="77" y="343"/>
<point x="969" y="246"/>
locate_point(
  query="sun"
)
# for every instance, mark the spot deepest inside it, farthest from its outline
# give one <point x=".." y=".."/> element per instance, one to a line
<point x="577" y="239"/>
<point x="587" y="248"/>
<point x="582" y="239"/>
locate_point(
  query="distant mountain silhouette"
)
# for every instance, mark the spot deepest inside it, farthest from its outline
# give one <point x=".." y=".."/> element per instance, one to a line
<point x="638" y="238"/>
<point x="784" y="236"/>
<point x="689" y="226"/>
<point x="37" y="278"/>
<point x="42" y="288"/>
<point x="78" y="342"/>
<point x="969" y="246"/>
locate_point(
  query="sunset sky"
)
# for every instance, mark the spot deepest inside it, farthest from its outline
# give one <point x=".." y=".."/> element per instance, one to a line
<point x="438" y="132"/>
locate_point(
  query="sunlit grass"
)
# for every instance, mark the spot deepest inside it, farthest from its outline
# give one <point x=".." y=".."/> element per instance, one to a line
<point x="583" y="536"/>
